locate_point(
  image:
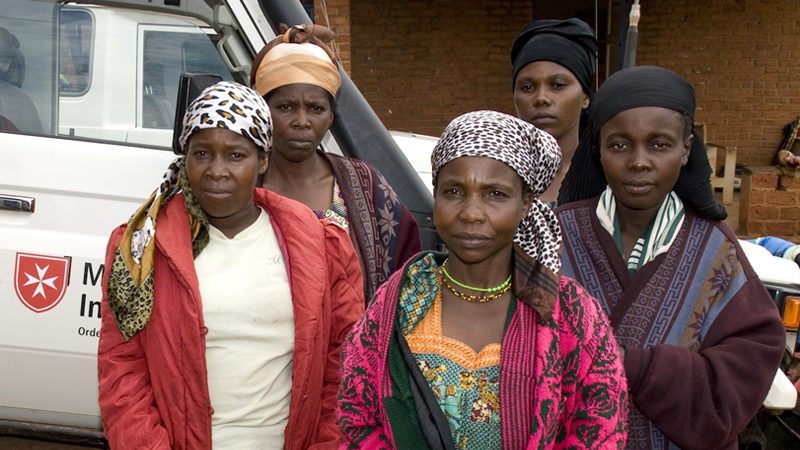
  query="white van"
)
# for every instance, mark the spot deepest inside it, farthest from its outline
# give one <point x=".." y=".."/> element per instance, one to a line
<point x="87" y="106"/>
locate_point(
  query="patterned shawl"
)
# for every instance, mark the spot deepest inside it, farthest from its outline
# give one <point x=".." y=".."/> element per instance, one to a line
<point x="383" y="231"/>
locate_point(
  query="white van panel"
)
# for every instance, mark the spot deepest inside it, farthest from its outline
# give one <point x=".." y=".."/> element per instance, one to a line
<point x="74" y="214"/>
<point x="67" y="397"/>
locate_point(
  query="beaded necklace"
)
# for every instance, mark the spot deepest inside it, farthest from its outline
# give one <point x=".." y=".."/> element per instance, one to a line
<point x="499" y="287"/>
<point x="487" y="294"/>
<point x="481" y="298"/>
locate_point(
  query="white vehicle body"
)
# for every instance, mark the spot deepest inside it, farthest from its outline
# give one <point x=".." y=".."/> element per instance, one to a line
<point x="52" y="353"/>
<point x="418" y="149"/>
<point x="781" y="277"/>
<point x="118" y="57"/>
<point x="772" y="270"/>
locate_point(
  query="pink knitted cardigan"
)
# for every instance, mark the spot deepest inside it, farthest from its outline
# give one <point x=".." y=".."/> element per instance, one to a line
<point x="562" y="383"/>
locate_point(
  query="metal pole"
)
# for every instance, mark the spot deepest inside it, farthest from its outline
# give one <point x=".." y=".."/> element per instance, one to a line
<point x="632" y="37"/>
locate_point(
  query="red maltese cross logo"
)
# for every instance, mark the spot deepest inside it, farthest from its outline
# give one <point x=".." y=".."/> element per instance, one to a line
<point x="41" y="281"/>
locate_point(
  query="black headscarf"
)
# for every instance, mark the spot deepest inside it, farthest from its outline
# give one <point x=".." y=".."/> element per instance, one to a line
<point x="632" y="88"/>
<point x="570" y="43"/>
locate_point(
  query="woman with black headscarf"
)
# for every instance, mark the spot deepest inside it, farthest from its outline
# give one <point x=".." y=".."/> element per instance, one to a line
<point x="553" y="67"/>
<point x="699" y="335"/>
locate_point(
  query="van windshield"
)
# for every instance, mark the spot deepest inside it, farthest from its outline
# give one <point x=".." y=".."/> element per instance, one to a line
<point x="98" y="72"/>
<point x="27" y="54"/>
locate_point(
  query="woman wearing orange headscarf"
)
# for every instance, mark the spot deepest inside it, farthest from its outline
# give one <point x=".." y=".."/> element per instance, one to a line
<point x="298" y="77"/>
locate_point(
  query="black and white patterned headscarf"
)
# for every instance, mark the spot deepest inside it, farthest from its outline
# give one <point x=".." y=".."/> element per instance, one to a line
<point x="233" y="107"/>
<point x="532" y="153"/>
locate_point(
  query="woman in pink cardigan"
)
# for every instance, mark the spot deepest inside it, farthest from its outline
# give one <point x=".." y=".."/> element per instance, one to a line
<point x="488" y="346"/>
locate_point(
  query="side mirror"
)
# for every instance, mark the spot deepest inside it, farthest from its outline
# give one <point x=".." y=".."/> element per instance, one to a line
<point x="190" y="86"/>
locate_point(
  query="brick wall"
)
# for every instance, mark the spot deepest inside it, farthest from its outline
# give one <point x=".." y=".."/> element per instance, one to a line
<point x="422" y="62"/>
<point x="770" y="203"/>
<point x="743" y="58"/>
<point x="335" y="14"/>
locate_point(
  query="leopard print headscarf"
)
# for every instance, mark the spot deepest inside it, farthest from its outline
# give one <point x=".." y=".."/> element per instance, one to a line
<point x="231" y="106"/>
<point x="535" y="156"/>
<point x="130" y="285"/>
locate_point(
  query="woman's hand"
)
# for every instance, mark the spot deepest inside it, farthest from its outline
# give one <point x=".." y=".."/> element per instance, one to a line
<point x="789" y="159"/>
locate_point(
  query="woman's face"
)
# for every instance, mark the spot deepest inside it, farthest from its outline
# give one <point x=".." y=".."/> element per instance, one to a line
<point x="222" y="167"/>
<point x="301" y="115"/>
<point x="642" y="151"/>
<point x="478" y="204"/>
<point x="549" y="96"/>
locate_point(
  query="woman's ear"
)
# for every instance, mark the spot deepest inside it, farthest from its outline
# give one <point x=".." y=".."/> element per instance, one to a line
<point x="330" y="120"/>
<point x="263" y="162"/>
<point x="527" y="201"/>
<point x="687" y="147"/>
<point x="585" y="102"/>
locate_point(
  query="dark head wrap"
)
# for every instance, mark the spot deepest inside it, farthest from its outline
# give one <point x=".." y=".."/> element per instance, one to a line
<point x="632" y="88"/>
<point x="570" y="43"/>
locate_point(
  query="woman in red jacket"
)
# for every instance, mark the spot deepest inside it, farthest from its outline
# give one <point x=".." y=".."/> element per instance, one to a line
<point x="225" y="304"/>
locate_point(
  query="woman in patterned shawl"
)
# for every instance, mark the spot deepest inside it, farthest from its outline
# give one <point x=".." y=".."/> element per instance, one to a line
<point x="297" y="75"/>
<point x="488" y="347"/>
<point x="701" y="337"/>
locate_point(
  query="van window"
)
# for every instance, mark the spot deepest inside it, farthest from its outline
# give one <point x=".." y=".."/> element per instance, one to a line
<point x="97" y="72"/>
<point x="27" y="78"/>
<point x="75" y="50"/>
<point x="167" y="54"/>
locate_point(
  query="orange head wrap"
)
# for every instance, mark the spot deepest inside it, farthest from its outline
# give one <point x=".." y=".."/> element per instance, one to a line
<point x="298" y="56"/>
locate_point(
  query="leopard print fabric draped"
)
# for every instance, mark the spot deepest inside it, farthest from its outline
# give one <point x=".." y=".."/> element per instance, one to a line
<point x="130" y="285"/>
<point x="233" y="107"/>
<point x="532" y="153"/>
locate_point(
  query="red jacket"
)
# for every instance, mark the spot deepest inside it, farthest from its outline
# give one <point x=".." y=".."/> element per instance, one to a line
<point x="154" y="388"/>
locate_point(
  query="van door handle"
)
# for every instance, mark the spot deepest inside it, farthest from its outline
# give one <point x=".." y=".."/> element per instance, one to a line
<point x="17" y="203"/>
